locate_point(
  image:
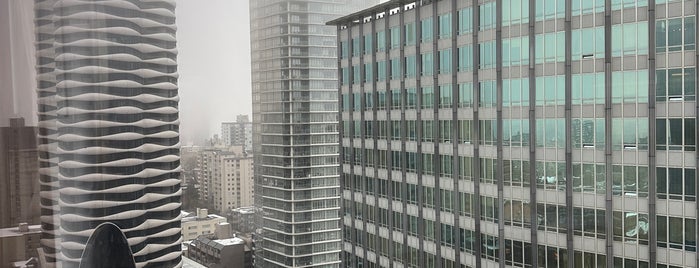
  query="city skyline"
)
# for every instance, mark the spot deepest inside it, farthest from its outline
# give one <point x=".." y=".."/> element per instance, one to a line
<point x="345" y="133"/>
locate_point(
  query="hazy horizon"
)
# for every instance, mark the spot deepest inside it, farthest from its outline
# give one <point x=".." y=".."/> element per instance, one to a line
<point x="214" y="65"/>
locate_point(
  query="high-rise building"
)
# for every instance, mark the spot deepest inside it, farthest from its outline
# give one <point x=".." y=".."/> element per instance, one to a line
<point x="225" y="178"/>
<point x="238" y="133"/>
<point x="519" y="133"/>
<point x="19" y="183"/>
<point x="295" y="136"/>
<point x="109" y="127"/>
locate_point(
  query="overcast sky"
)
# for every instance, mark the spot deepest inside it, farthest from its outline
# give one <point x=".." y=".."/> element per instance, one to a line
<point x="213" y="39"/>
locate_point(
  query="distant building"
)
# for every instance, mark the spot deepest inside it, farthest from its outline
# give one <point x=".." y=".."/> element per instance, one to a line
<point x="19" y="244"/>
<point x="242" y="219"/>
<point x="201" y="223"/>
<point x="238" y="132"/>
<point x="232" y="252"/>
<point x="19" y="178"/>
<point x="225" y="178"/>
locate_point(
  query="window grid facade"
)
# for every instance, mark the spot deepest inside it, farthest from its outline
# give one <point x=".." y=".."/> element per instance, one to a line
<point x="295" y="126"/>
<point x="561" y="123"/>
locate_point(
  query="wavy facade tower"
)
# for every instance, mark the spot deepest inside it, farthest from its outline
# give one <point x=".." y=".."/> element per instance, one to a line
<point x="109" y="127"/>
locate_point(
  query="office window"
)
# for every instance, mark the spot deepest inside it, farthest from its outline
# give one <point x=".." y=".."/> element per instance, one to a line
<point x="368" y="134"/>
<point x="515" y="12"/>
<point x="675" y="34"/>
<point x="410" y="97"/>
<point x="515" y="132"/>
<point x="356" y="49"/>
<point x="445" y="96"/>
<point x="446" y="162"/>
<point x="427" y="64"/>
<point x="427" y="95"/>
<point x="445" y="25"/>
<point x="395" y="37"/>
<point x="368" y="100"/>
<point x="445" y="130"/>
<point x="410" y="66"/>
<point x="357" y="101"/>
<point x="588" y="132"/>
<point x="550" y="133"/>
<point x="412" y="193"/>
<point x="395" y="135"/>
<point x="487" y="18"/>
<point x="465" y="20"/>
<point x="345" y="102"/>
<point x="550" y="9"/>
<point x="630" y="86"/>
<point x="395" y="99"/>
<point x="445" y="61"/>
<point x="676" y="183"/>
<point x="488" y="56"/>
<point x="411" y="163"/>
<point x="345" y="75"/>
<point x="465" y="131"/>
<point x="368" y="44"/>
<point x="356" y="74"/>
<point x="488" y="132"/>
<point x="428" y="196"/>
<point x="587" y="6"/>
<point x="515" y="51"/>
<point x="630" y="39"/>
<point x="368" y="73"/>
<point x="381" y="41"/>
<point x="396" y="70"/>
<point x="630" y="133"/>
<point x="587" y="43"/>
<point x="426" y="27"/>
<point x="675" y="84"/>
<point x="465" y="204"/>
<point x="465" y="168"/>
<point x="427" y="163"/>
<point x="410" y="34"/>
<point x="381" y="100"/>
<point x="381" y="70"/>
<point x="447" y="231"/>
<point x="466" y="95"/>
<point x="488" y="94"/>
<point x="427" y="131"/>
<point x="550" y="47"/>
<point x="515" y="92"/>
<point x="676" y="134"/>
<point x="677" y="233"/>
<point x="465" y="58"/>
<point x="343" y="49"/>
<point x="411" y="129"/>
<point x="550" y="90"/>
<point x="588" y="88"/>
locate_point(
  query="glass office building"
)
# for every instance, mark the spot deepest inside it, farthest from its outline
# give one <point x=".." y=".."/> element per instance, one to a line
<point x="295" y="135"/>
<point x="519" y="133"/>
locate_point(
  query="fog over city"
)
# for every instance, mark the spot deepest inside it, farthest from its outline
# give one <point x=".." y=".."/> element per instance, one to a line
<point x="213" y="40"/>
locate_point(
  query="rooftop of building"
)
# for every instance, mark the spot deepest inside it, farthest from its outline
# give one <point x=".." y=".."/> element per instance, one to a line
<point x="244" y="210"/>
<point x="230" y="241"/>
<point x="370" y="11"/>
<point x="201" y="215"/>
<point x="21" y="230"/>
